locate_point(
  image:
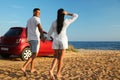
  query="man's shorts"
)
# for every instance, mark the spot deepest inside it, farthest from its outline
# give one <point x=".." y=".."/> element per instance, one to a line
<point x="34" y="46"/>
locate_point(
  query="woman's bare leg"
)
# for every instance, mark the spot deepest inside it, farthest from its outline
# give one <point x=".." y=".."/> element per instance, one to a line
<point x="60" y="62"/>
<point x="54" y="64"/>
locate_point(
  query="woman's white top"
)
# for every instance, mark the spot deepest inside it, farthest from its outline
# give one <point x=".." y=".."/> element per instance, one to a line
<point x="60" y="41"/>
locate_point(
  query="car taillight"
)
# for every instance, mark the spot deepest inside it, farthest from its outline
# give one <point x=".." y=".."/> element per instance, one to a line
<point x="0" y="40"/>
<point x="18" y="40"/>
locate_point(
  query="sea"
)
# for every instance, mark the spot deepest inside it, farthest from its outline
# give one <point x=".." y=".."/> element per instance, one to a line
<point x="99" y="45"/>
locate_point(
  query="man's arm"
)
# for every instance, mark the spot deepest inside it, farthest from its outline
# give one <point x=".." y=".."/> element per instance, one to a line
<point x="40" y="29"/>
<point x="41" y="32"/>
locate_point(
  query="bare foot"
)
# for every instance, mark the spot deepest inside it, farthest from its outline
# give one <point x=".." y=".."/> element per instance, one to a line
<point x="33" y="71"/>
<point x="58" y="75"/>
<point x="23" y="70"/>
<point x="51" y="75"/>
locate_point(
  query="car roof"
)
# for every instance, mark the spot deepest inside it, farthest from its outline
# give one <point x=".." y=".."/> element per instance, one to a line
<point x="17" y="28"/>
<point x="23" y="28"/>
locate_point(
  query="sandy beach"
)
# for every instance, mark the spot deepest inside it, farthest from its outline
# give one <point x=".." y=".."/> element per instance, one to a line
<point x="80" y="65"/>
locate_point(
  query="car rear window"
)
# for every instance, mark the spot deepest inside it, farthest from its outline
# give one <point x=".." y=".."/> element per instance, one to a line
<point x="13" y="32"/>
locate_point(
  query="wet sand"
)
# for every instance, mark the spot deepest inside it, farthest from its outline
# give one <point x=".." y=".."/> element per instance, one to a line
<point x="80" y="65"/>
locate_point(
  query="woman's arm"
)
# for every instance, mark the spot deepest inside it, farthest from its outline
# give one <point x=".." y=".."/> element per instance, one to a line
<point x="50" y="31"/>
<point x="74" y="16"/>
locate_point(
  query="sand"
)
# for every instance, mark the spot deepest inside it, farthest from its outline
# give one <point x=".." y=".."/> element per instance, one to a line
<point x="80" y="65"/>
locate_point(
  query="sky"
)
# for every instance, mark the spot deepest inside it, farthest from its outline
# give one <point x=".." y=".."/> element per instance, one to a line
<point x="99" y="20"/>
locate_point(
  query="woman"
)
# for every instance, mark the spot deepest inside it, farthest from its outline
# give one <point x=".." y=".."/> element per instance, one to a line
<point x="60" y="42"/>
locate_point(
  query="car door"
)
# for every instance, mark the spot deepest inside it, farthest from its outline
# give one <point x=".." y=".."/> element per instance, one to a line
<point x="46" y="47"/>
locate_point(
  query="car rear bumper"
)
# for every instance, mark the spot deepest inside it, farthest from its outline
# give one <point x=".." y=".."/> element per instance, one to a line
<point x="11" y="49"/>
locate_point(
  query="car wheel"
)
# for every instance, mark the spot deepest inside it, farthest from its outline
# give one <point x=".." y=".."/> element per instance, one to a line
<point x="5" y="55"/>
<point x="26" y="53"/>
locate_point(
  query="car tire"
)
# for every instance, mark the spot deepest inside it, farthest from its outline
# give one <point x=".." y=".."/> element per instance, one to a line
<point x="5" y="55"/>
<point x="26" y="53"/>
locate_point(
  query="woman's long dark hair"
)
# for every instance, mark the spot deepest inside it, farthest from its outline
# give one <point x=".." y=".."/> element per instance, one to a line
<point x="60" y="20"/>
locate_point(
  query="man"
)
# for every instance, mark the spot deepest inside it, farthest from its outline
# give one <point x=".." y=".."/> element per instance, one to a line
<point x="34" y="31"/>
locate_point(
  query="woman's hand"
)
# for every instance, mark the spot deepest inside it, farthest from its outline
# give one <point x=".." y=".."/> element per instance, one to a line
<point x="65" y="12"/>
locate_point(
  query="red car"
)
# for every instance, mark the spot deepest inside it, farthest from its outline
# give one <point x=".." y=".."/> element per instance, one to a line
<point x="14" y="42"/>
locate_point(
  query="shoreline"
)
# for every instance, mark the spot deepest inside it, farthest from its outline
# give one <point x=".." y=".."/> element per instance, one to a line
<point x="96" y="49"/>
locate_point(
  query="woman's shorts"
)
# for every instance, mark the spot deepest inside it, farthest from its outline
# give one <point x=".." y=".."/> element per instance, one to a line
<point x="60" y="44"/>
<point x="34" y="46"/>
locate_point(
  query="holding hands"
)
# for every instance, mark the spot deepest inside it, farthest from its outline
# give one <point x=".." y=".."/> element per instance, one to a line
<point x="43" y="38"/>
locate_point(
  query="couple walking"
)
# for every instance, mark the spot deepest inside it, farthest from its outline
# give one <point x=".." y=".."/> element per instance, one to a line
<point x="60" y="41"/>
